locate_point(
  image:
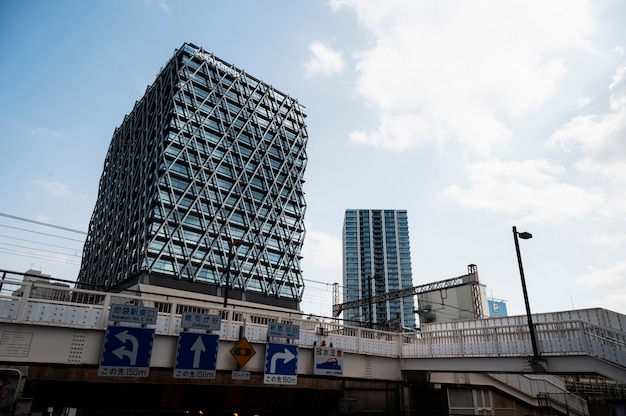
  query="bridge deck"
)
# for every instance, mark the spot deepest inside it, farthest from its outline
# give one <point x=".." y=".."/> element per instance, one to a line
<point x="590" y="340"/>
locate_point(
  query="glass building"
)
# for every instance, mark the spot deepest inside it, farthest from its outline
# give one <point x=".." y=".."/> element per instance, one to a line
<point x="202" y="188"/>
<point x="376" y="260"/>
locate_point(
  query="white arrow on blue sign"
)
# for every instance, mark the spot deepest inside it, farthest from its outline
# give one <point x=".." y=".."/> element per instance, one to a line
<point x="196" y="355"/>
<point x="126" y="352"/>
<point x="281" y="364"/>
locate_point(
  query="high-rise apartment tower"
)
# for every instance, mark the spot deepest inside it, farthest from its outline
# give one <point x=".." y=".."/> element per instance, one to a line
<point x="202" y="187"/>
<point x="376" y="260"/>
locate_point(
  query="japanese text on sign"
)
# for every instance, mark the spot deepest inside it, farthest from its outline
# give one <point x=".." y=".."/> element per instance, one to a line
<point x="132" y="313"/>
<point x="201" y="321"/>
<point x="281" y="330"/>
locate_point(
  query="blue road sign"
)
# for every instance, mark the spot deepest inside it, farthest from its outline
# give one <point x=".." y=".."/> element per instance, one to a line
<point x="280" y="330"/>
<point x="126" y="352"/>
<point x="281" y="364"/>
<point x="196" y="355"/>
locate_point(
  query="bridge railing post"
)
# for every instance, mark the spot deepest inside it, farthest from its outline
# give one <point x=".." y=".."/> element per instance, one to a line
<point x="583" y="337"/>
<point x="27" y="287"/>
<point x="104" y="319"/>
<point x="496" y="341"/>
<point x="171" y="326"/>
<point x="399" y="344"/>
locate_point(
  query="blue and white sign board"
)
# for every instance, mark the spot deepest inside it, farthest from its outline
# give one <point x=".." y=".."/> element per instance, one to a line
<point x="196" y="356"/>
<point x="132" y="313"/>
<point x="126" y="352"/>
<point x="497" y="308"/>
<point x="201" y="321"/>
<point x="280" y="330"/>
<point x="281" y="364"/>
<point x="327" y="361"/>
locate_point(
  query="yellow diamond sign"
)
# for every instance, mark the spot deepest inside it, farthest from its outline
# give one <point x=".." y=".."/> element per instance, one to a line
<point x="242" y="351"/>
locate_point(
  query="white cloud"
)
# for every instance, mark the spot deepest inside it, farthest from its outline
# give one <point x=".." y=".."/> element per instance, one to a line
<point x="456" y="70"/>
<point x="611" y="279"/>
<point x="44" y="131"/>
<point x="612" y="240"/>
<point x="54" y="188"/>
<point x="599" y="139"/>
<point x="323" y="250"/>
<point x="161" y="4"/>
<point x="323" y="61"/>
<point x="583" y="102"/>
<point x="530" y="189"/>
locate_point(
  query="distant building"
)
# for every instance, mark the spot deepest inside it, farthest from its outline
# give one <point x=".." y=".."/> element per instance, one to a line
<point x="458" y="303"/>
<point x="202" y="188"/>
<point x="376" y="260"/>
<point x="43" y="291"/>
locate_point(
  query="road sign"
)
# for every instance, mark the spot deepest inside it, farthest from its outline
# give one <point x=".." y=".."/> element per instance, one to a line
<point x="281" y="364"/>
<point x="126" y="352"/>
<point x="242" y="351"/>
<point x="201" y="321"/>
<point x="327" y="361"/>
<point x="196" y="355"/>
<point x="280" y="330"/>
<point x="132" y="313"/>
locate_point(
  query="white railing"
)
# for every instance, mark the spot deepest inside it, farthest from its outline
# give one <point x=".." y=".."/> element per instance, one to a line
<point x="569" y="333"/>
<point x="43" y="303"/>
<point x="490" y="338"/>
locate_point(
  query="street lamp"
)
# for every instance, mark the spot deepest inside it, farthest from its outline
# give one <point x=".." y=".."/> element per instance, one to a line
<point x="370" y="294"/>
<point x="536" y="360"/>
<point x="231" y="254"/>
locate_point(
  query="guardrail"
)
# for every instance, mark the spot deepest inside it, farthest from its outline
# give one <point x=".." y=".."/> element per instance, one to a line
<point x="44" y="303"/>
<point x="40" y="302"/>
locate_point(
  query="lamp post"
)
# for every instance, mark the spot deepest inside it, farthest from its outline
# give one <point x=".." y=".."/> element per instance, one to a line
<point x="231" y="254"/>
<point x="533" y="337"/>
<point x="370" y="293"/>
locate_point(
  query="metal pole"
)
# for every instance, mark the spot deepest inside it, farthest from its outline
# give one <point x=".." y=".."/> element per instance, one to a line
<point x="533" y="337"/>
<point x="369" y="292"/>
<point x="230" y="259"/>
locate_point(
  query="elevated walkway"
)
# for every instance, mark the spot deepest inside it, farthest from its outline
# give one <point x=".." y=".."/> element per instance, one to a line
<point x="590" y="341"/>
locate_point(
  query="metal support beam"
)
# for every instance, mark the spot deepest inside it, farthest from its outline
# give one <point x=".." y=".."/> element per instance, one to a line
<point x="403" y="293"/>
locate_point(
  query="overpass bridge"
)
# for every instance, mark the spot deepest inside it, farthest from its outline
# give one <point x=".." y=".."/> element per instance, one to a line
<point x="54" y="335"/>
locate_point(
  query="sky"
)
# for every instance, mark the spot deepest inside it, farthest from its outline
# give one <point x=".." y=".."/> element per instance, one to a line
<point x="474" y="116"/>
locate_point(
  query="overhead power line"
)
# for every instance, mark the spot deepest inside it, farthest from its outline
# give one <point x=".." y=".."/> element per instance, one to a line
<point x="40" y="233"/>
<point x="14" y="217"/>
<point x="39" y="257"/>
<point x="40" y="243"/>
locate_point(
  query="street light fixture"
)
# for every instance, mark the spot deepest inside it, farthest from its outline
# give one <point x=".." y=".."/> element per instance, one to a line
<point x="231" y="254"/>
<point x="535" y="362"/>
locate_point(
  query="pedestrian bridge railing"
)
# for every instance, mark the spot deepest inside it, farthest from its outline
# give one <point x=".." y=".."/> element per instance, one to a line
<point x="596" y="333"/>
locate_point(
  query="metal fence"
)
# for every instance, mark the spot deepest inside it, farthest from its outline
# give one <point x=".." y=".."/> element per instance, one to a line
<point x="593" y="332"/>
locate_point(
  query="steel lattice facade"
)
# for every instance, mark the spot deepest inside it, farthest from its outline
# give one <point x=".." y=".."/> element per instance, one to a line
<point x="204" y="176"/>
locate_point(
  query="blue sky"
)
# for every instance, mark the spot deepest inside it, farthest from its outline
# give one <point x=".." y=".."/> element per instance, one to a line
<point x="473" y="116"/>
